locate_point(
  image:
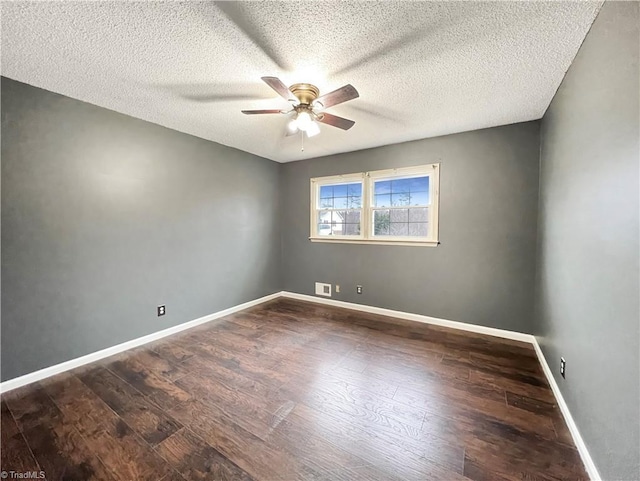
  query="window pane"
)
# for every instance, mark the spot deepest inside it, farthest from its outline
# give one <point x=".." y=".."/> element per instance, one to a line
<point x="354" y="189"/>
<point x="419" y="198"/>
<point x="354" y="202"/>
<point x="397" y="229"/>
<point x="383" y="187"/>
<point x="353" y="217"/>
<point x="326" y="191"/>
<point x="401" y="222"/>
<point x="401" y="199"/>
<point x="399" y="186"/>
<point x="409" y="191"/>
<point x="419" y="229"/>
<point x="381" y="220"/>
<point x="326" y="203"/>
<point x="324" y="229"/>
<point x="324" y="217"/>
<point x="420" y="214"/>
<point x="352" y="229"/>
<point x="339" y="202"/>
<point x="340" y="196"/>
<point x="419" y="184"/>
<point x="324" y="223"/>
<point x="400" y="215"/>
<point x="341" y="222"/>
<point x="383" y="200"/>
<point x="340" y="190"/>
<point x="345" y="222"/>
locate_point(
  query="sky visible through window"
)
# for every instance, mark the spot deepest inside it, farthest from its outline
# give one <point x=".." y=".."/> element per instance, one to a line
<point x="344" y="196"/>
<point x="409" y="213"/>
<point x="401" y="192"/>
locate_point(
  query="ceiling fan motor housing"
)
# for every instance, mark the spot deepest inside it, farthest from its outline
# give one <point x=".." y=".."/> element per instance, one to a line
<point x="305" y="93"/>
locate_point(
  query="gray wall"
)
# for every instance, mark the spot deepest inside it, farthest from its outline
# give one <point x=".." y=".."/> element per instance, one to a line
<point x="484" y="270"/>
<point x="104" y="217"/>
<point x="588" y="267"/>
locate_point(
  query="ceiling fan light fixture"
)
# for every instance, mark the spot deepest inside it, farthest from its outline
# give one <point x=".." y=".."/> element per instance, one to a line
<point x="303" y="120"/>
<point x="292" y="126"/>
<point x="313" y="129"/>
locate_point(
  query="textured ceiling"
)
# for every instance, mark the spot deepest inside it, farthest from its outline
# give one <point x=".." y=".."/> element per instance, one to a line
<point x="422" y="68"/>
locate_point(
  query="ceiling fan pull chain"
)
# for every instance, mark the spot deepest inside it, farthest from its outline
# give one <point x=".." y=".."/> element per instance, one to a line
<point x="302" y="140"/>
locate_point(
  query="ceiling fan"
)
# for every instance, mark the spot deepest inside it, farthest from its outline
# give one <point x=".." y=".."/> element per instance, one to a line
<point x="308" y="106"/>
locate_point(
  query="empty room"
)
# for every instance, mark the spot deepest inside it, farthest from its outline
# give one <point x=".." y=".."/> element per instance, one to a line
<point x="320" y="240"/>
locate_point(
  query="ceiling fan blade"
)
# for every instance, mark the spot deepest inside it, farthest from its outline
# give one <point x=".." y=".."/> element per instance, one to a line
<point x="335" y="121"/>
<point x="343" y="94"/>
<point x="271" y="111"/>
<point x="276" y="84"/>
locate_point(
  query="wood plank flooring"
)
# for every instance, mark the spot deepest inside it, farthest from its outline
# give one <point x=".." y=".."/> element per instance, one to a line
<point x="290" y="390"/>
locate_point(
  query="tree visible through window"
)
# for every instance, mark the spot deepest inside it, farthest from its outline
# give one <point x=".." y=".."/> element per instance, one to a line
<point x="401" y="207"/>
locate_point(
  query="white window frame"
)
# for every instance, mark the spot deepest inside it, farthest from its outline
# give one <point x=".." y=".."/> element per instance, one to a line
<point x="335" y="180"/>
<point x="367" y="210"/>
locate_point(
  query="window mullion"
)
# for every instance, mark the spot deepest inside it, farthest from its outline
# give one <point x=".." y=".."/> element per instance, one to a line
<point x="367" y="212"/>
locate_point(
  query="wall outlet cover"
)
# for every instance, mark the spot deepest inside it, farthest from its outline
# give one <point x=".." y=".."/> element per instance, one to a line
<point x="323" y="289"/>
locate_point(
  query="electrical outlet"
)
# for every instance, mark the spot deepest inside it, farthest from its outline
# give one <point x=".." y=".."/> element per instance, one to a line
<point x="337" y="288"/>
<point x="563" y="366"/>
<point x="359" y="289"/>
<point x="162" y="310"/>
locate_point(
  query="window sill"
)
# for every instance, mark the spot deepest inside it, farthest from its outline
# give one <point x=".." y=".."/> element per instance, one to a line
<point x="411" y="243"/>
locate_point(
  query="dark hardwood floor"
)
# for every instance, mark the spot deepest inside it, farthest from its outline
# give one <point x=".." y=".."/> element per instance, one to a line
<point x="289" y="391"/>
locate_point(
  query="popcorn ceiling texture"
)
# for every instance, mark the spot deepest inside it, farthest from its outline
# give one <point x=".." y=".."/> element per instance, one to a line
<point x="423" y="69"/>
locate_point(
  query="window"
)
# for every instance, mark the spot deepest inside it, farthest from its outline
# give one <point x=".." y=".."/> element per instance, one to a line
<point x="396" y="206"/>
<point x="339" y="207"/>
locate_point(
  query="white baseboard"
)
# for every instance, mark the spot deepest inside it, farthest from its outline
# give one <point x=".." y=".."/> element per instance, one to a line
<point x="516" y="336"/>
<point x="110" y="351"/>
<point x="463" y="326"/>
<point x="571" y="424"/>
